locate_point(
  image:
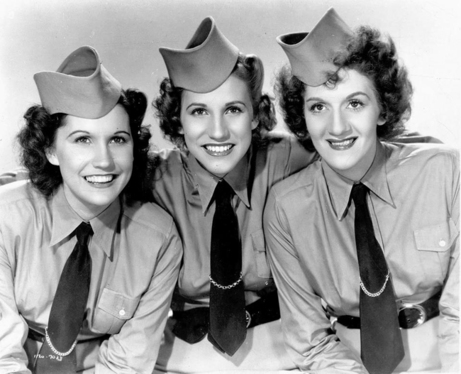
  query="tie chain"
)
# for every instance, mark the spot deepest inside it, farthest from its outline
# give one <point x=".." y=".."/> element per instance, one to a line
<point x="55" y="351"/>
<point x="375" y="294"/>
<point x="216" y="284"/>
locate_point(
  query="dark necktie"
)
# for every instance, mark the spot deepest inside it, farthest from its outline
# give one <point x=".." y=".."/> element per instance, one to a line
<point x="57" y="354"/>
<point x="227" y="330"/>
<point x="381" y="340"/>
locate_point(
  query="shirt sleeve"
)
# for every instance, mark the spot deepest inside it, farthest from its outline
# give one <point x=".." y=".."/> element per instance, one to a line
<point x="13" y="328"/>
<point x="136" y="347"/>
<point x="449" y="301"/>
<point x="305" y="326"/>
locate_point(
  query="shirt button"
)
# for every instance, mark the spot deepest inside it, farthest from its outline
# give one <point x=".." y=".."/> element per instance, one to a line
<point x="442" y="243"/>
<point x="122" y="312"/>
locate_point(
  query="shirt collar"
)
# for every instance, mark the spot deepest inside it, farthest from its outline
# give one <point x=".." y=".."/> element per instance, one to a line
<point x="375" y="179"/>
<point x="65" y="221"/>
<point x="206" y="182"/>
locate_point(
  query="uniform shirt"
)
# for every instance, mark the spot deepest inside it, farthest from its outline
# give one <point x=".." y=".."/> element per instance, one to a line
<point x="135" y="254"/>
<point x="309" y="225"/>
<point x="185" y="190"/>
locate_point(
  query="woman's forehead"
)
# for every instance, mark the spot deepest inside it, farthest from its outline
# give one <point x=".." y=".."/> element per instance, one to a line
<point x="233" y="89"/>
<point x="350" y="81"/>
<point x="116" y="120"/>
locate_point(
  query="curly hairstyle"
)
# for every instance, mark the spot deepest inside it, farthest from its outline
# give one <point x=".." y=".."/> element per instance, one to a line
<point x="371" y="55"/>
<point x="250" y="69"/>
<point x="39" y="132"/>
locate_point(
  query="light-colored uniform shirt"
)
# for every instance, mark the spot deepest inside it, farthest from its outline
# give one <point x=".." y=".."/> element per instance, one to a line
<point x="185" y="190"/>
<point x="135" y="252"/>
<point x="309" y="226"/>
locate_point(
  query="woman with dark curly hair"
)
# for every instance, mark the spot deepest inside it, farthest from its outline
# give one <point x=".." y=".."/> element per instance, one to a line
<point x="87" y="270"/>
<point x="368" y="236"/>
<point x="212" y="107"/>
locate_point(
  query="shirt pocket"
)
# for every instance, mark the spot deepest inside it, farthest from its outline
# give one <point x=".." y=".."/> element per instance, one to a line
<point x="113" y="310"/>
<point x="259" y="249"/>
<point x="434" y="243"/>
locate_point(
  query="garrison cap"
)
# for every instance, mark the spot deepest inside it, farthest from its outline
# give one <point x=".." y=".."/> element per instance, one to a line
<point x="205" y="63"/>
<point x="81" y="86"/>
<point x="311" y="54"/>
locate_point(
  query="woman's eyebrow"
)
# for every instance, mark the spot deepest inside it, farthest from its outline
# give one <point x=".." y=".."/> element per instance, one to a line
<point x="196" y="104"/>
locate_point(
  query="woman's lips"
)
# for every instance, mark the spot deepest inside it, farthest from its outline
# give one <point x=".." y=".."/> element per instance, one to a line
<point x="100" y="179"/>
<point x="342" y="145"/>
<point x="218" y="150"/>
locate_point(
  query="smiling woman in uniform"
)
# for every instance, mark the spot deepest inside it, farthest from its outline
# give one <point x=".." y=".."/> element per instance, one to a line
<point x="368" y="236"/>
<point x="86" y="269"/>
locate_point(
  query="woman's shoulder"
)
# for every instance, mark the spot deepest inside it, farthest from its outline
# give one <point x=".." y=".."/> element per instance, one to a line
<point x="22" y="206"/>
<point x="303" y="180"/>
<point x="149" y="216"/>
<point x="19" y="191"/>
<point x="422" y="153"/>
<point x="168" y="161"/>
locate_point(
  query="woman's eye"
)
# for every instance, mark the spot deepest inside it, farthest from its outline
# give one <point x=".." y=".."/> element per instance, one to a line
<point x="234" y="110"/>
<point x="82" y="139"/>
<point x="317" y="108"/>
<point x="118" y="140"/>
<point x="355" y="104"/>
<point x="198" y="112"/>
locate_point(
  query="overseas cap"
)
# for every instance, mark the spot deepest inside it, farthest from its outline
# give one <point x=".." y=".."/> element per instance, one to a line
<point x="81" y="86"/>
<point x="207" y="61"/>
<point x="311" y="54"/>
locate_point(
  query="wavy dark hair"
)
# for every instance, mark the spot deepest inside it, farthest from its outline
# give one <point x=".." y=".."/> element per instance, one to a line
<point x="371" y="55"/>
<point x="250" y="69"/>
<point x="39" y="132"/>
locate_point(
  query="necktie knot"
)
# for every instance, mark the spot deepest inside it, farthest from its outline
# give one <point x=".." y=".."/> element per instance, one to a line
<point x="359" y="194"/>
<point x="83" y="231"/>
<point x="223" y="193"/>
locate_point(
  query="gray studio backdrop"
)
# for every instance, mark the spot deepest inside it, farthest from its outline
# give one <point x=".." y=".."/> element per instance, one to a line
<point x="38" y="35"/>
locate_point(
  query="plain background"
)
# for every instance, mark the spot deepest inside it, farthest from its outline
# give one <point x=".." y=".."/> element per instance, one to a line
<point x="38" y="35"/>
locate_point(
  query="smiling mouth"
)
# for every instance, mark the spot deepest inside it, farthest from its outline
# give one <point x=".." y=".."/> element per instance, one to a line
<point x="342" y="145"/>
<point x="218" y="150"/>
<point x="100" y="179"/>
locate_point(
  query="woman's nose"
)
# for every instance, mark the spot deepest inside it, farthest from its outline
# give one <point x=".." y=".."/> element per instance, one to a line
<point x="102" y="157"/>
<point x="339" y="124"/>
<point x="218" y="129"/>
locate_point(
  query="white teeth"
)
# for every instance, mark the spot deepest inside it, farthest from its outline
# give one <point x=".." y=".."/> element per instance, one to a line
<point x="218" y="148"/>
<point x="342" y="143"/>
<point x="99" y="178"/>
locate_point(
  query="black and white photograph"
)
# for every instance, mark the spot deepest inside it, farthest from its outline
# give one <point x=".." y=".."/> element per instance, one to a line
<point x="229" y="186"/>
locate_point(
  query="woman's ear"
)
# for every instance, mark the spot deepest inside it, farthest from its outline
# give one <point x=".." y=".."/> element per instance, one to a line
<point x="381" y="119"/>
<point x="254" y="123"/>
<point x="51" y="156"/>
<point x="181" y="131"/>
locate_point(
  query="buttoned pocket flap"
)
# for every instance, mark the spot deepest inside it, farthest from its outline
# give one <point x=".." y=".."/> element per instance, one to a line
<point x="117" y="304"/>
<point x="437" y="238"/>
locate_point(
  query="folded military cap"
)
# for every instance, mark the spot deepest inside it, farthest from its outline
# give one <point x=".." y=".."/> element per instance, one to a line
<point x="205" y="63"/>
<point x="81" y="86"/>
<point x="311" y="54"/>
